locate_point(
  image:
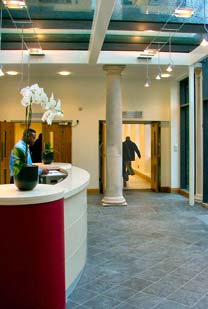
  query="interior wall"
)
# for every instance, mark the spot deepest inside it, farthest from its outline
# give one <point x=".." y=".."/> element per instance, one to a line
<point x="84" y="99"/>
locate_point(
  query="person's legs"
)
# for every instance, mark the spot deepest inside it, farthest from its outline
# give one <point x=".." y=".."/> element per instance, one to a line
<point x="130" y="170"/>
<point x="125" y="174"/>
<point x="128" y="167"/>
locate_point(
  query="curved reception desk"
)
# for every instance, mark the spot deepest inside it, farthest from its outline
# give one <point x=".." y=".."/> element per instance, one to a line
<point x="43" y="237"/>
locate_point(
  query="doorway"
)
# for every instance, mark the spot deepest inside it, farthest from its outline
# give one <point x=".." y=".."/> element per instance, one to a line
<point x="146" y="135"/>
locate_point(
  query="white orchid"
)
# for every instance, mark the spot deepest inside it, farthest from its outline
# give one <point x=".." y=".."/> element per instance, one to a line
<point x="36" y="95"/>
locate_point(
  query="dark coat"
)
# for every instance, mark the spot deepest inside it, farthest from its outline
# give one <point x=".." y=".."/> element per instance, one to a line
<point x="36" y="150"/>
<point x="126" y="152"/>
<point x="132" y="147"/>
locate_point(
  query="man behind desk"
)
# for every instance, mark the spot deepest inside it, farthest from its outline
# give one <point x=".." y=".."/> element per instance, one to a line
<point x="28" y="138"/>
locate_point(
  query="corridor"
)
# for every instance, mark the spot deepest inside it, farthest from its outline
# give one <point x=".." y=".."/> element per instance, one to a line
<point x="151" y="254"/>
<point x="137" y="182"/>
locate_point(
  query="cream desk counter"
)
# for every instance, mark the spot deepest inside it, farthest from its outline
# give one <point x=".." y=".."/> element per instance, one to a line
<point x="43" y="237"/>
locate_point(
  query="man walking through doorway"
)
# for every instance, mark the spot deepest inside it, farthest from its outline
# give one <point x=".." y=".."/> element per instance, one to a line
<point x="132" y="149"/>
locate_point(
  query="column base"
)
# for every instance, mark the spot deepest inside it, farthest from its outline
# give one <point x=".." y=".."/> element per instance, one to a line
<point x="114" y="201"/>
<point x="198" y="197"/>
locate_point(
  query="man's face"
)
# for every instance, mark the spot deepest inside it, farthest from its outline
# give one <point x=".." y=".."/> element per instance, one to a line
<point x="31" y="139"/>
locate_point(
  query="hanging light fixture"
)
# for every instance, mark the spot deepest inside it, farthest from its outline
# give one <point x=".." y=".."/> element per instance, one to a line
<point x="159" y="71"/>
<point x="204" y="41"/>
<point x="1" y="66"/>
<point x="14" y="4"/>
<point x="183" y="12"/>
<point x="148" y="81"/>
<point x="170" y="65"/>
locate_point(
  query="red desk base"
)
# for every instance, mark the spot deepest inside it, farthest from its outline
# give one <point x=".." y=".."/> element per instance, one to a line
<point x="32" y="274"/>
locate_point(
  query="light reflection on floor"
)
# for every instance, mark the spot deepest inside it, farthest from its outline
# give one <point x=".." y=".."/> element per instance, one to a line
<point x="137" y="182"/>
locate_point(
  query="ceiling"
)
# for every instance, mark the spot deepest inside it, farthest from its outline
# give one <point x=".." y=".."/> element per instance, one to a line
<point x="97" y="32"/>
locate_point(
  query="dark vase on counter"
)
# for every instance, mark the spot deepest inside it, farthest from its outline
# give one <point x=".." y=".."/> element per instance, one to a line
<point x="27" y="179"/>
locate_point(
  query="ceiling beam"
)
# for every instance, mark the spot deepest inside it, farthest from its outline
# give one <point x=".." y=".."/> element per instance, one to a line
<point x="198" y="54"/>
<point x="155" y="26"/>
<point x="56" y="46"/>
<point x="102" y="16"/>
<point x="107" y="46"/>
<point x="113" y="25"/>
<point x="48" y="24"/>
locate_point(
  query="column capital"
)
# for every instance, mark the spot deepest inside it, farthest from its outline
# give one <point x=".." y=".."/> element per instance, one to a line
<point x="113" y="69"/>
<point x="198" y="70"/>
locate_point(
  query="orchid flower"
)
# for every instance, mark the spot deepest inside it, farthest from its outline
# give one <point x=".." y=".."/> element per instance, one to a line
<point x="36" y="95"/>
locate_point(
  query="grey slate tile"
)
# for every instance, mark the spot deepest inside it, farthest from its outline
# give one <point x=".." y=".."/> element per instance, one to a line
<point x="101" y="302"/>
<point x="156" y="240"/>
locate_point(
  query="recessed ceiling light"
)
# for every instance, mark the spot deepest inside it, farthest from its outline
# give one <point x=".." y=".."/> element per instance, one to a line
<point x="184" y="12"/>
<point x="14" y="4"/>
<point x="165" y="75"/>
<point x="64" y="73"/>
<point x="12" y="72"/>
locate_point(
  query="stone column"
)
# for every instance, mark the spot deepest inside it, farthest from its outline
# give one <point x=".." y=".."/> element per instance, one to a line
<point x="114" y="180"/>
<point x="199" y="134"/>
<point x="191" y="135"/>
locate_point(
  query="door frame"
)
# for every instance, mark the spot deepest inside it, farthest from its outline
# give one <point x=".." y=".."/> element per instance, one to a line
<point x="101" y="163"/>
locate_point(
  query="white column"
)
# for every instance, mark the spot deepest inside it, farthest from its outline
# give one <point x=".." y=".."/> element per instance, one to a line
<point x="114" y="181"/>
<point x="191" y="135"/>
<point x="199" y="134"/>
<point x="174" y="137"/>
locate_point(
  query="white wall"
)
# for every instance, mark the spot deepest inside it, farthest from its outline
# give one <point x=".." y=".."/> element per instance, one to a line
<point x="84" y="99"/>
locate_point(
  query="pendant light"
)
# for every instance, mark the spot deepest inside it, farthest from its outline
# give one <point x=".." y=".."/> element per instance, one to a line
<point x="1" y="66"/>
<point x="204" y="41"/>
<point x="159" y="71"/>
<point x="148" y="81"/>
<point x="170" y="65"/>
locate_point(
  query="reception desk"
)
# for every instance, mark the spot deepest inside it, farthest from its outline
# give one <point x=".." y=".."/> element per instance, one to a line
<point x="43" y="236"/>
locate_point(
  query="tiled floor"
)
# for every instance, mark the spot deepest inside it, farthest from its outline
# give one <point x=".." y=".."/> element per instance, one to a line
<point x="151" y="254"/>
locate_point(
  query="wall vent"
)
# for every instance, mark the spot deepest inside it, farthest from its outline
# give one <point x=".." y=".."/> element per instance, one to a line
<point x="132" y="114"/>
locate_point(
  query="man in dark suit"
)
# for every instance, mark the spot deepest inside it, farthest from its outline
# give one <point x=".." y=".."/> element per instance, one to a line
<point x="132" y="149"/>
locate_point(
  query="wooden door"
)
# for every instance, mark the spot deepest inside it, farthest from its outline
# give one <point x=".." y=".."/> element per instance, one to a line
<point x="59" y="137"/>
<point x="155" y="157"/>
<point x="6" y="145"/>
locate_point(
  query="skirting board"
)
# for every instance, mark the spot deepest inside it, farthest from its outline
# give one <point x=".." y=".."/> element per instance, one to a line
<point x="184" y="193"/>
<point x="93" y="191"/>
<point x="169" y="190"/>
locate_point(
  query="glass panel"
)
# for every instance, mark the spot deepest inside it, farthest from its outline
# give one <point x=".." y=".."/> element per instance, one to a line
<point x="157" y="10"/>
